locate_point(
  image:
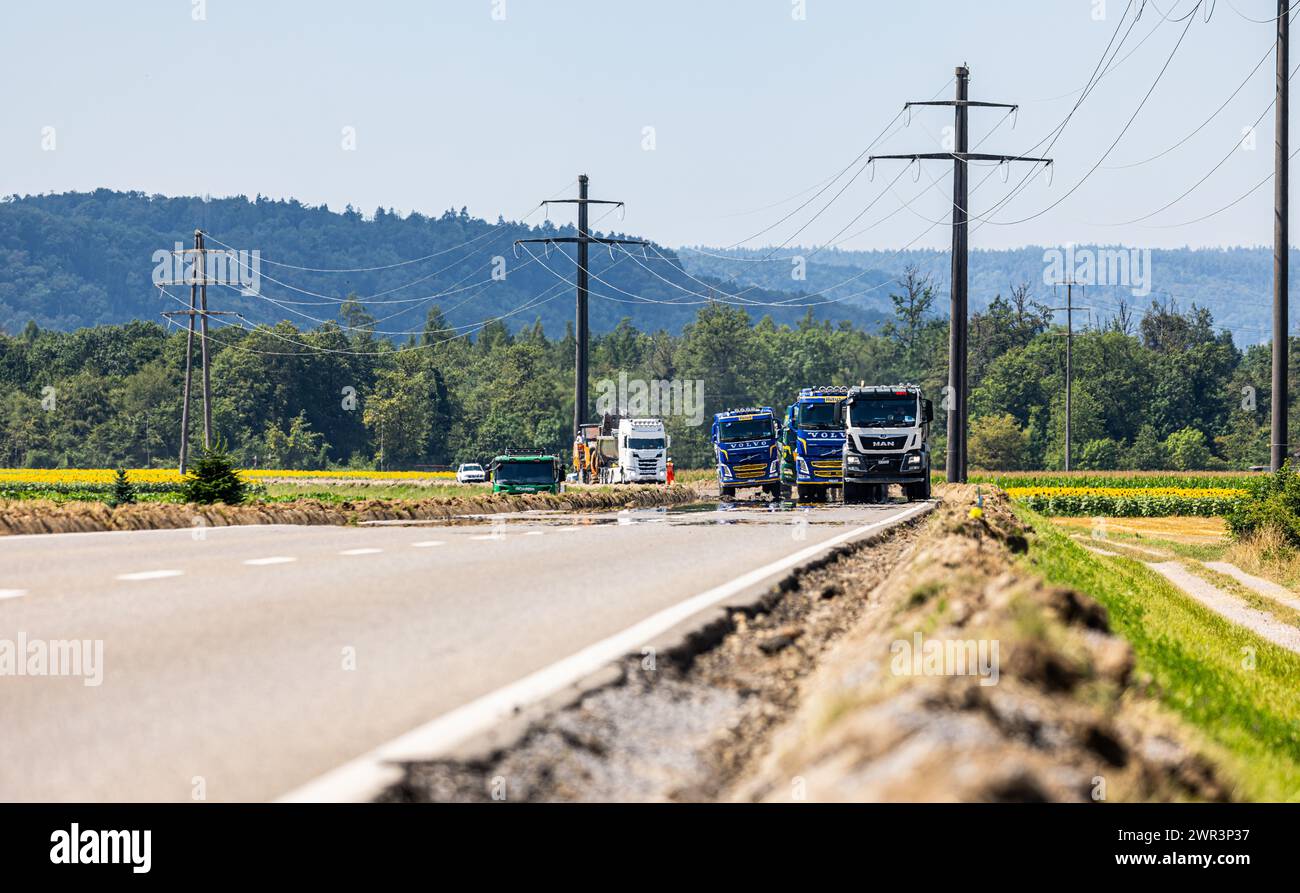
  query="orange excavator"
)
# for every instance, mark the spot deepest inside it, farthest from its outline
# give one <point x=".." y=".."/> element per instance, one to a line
<point x="588" y="457"/>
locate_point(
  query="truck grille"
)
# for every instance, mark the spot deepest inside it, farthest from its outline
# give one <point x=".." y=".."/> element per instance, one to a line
<point x="750" y="471"/>
<point x="873" y="444"/>
<point x="826" y="467"/>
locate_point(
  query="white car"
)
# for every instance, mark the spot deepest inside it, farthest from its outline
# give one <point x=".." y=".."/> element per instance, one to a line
<point x="470" y="473"/>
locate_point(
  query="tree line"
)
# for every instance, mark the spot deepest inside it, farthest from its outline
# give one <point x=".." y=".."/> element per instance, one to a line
<point x="1158" y="389"/>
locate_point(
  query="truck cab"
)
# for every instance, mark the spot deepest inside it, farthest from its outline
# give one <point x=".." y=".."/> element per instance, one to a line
<point x="746" y="447"/>
<point x="642" y="446"/>
<point x="812" y="443"/>
<point x="526" y="473"/>
<point x="887" y="441"/>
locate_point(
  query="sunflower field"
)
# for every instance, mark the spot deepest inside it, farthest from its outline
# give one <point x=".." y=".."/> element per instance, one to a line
<point x="1128" y="502"/>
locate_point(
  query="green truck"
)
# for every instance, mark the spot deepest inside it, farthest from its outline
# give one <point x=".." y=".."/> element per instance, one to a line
<point x="526" y="473"/>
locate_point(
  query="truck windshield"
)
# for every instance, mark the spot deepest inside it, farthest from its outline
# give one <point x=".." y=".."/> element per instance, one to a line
<point x="733" y="430"/>
<point x="525" y="473"/>
<point x="883" y="411"/>
<point x="645" y="443"/>
<point x="816" y="417"/>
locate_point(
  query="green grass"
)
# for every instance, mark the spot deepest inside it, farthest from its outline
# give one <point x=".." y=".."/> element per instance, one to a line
<point x="286" y="492"/>
<point x="1109" y="478"/>
<point x="1197" y="551"/>
<point x="1195" y="661"/>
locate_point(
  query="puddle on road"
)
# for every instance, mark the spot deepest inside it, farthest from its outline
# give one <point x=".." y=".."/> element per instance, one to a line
<point x="704" y="513"/>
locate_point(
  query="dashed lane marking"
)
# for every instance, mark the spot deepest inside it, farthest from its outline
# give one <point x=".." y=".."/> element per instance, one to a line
<point x="150" y="575"/>
<point x="425" y="544"/>
<point x="360" y="551"/>
<point x="274" y="559"/>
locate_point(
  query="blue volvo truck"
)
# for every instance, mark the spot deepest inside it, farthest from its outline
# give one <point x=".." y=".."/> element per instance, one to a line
<point x="745" y="443"/>
<point x="812" y="444"/>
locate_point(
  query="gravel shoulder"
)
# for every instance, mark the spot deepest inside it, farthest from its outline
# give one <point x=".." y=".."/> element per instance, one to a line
<point x="801" y="697"/>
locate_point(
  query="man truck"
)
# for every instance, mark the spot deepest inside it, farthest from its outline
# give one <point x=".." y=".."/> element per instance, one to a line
<point x="745" y="444"/>
<point x="526" y="473"/>
<point x="812" y="443"/>
<point x="887" y="441"/>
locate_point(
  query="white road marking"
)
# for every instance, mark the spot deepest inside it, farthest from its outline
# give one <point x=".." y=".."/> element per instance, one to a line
<point x="367" y="775"/>
<point x="360" y="551"/>
<point x="533" y="533"/>
<point x="274" y="559"/>
<point x="490" y="536"/>
<point x="150" y="575"/>
<point x="12" y="593"/>
<point x="424" y="544"/>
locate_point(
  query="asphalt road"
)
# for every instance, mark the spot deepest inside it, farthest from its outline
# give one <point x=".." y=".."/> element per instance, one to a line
<point x="243" y="662"/>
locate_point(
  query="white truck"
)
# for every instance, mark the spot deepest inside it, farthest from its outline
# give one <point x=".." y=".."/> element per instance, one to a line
<point x="887" y="441"/>
<point x="641" y="446"/>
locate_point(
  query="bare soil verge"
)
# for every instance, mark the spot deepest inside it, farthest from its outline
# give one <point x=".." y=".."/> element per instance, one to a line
<point x="42" y="516"/>
<point x="1061" y="719"/>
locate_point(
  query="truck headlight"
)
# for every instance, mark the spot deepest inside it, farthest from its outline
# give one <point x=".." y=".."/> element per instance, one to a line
<point x="853" y="460"/>
<point x="912" y="460"/>
<point x="802" y="465"/>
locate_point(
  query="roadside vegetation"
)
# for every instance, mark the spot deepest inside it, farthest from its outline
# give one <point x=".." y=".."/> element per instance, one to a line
<point x="1234" y="686"/>
<point x="1120" y="502"/>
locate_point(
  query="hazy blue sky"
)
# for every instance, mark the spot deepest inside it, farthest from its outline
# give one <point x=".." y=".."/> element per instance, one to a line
<point x="749" y="107"/>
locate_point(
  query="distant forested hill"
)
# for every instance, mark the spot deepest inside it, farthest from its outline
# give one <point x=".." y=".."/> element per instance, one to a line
<point x="83" y="259"/>
<point x="1235" y="284"/>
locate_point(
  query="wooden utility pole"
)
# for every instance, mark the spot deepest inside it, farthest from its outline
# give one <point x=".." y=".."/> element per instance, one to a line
<point x="201" y="267"/>
<point x="582" y="331"/>
<point x="1069" y="309"/>
<point x="1280" y="448"/>
<point x="198" y="283"/>
<point x="957" y="380"/>
<point x="189" y="363"/>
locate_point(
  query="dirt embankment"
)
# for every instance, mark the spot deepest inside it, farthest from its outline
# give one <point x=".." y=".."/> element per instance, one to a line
<point x="805" y="695"/>
<point x="42" y="516"/>
<point x="973" y="680"/>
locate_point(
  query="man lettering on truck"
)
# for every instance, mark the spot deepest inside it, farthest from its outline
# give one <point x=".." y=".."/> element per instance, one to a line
<point x="887" y="441"/>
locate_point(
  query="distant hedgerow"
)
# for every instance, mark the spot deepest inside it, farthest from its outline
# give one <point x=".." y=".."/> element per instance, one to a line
<point x="1274" y="502"/>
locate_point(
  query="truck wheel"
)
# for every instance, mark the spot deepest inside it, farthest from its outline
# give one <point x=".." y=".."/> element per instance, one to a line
<point x="726" y="492"/>
<point x="918" y="491"/>
<point x="853" y="494"/>
<point x="786" y="492"/>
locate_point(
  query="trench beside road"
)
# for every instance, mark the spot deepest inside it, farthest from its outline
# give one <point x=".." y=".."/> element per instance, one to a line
<point x="246" y="662"/>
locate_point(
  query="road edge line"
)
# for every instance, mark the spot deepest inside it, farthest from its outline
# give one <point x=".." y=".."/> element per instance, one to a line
<point x="363" y="778"/>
